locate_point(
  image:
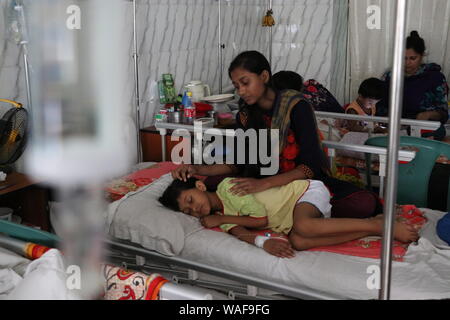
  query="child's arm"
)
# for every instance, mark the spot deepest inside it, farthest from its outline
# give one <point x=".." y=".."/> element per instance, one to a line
<point x="244" y="210"/>
<point x="274" y="246"/>
<point x="353" y="125"/>
<point x="217" y="220"/>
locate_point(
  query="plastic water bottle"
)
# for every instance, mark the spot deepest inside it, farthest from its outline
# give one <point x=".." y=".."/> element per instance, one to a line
<point x="189" y="109"/>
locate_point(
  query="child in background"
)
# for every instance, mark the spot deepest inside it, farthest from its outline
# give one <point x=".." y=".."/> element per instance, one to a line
<point x="369" y="93"/>
<point x="296" y="210"/>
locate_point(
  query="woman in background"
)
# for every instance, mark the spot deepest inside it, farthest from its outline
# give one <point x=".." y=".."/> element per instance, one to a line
<point x="425" y="98"/>
<point x="425" y="87"/>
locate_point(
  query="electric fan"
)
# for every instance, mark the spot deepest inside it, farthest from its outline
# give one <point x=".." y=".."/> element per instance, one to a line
<point x="13" y="133"/>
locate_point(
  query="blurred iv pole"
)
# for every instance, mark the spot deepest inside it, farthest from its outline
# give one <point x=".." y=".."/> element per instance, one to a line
<point x="17" y="29"/>
<point x="78" y="79"/>
<point x="136" y="77"/>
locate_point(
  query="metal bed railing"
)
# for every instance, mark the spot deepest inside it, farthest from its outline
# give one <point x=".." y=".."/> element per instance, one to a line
<point x="416" y="125"/>
<point x="194" y="266"/>
<point x="403" y="155"/>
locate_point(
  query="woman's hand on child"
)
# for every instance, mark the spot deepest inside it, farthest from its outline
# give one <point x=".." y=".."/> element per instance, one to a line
<point x="184" y="172"/>
<point x="279" y="247"/>
<point x="245" y="186"/>
<point x="211" y="221"/>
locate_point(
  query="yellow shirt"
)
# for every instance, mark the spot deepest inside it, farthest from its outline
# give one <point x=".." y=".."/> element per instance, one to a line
<point x="277" y="204"/>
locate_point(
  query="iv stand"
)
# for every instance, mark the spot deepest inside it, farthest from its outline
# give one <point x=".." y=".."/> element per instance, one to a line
<point x="23" y="43"/>
<point x="270" y="37"/>
<point x="396" y="103"/>
<point x="136" y="75"/>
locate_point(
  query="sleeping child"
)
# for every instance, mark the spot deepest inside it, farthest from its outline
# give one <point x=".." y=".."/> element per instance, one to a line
<point x="300" y="210"/>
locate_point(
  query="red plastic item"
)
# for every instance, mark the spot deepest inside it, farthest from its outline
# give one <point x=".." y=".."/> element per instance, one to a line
<point x="202" y="108"/>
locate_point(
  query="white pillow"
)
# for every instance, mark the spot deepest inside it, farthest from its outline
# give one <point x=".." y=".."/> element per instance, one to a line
<point x="140" y="218"/>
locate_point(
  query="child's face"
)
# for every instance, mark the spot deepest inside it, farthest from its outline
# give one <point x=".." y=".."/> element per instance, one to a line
<point x="194" y="202"/>
<point x="368" y="102"/>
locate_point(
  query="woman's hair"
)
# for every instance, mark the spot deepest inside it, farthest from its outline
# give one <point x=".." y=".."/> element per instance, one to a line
<point x="170" y="196"/>
<point x="415" y="42"/>
<point x="372" y="88"/>
<point x="252" y="61"/>
<point x="287" y="80"/>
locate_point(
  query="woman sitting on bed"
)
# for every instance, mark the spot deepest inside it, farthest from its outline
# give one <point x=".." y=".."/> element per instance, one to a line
<point x="425" y="92"/>
<point x="301" y="156"/>
<point x="295" y="210"/>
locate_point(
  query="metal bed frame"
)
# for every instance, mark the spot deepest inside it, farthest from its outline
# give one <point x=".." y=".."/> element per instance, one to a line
<point x="415" y="125"/>
<point x="235" y="285"/>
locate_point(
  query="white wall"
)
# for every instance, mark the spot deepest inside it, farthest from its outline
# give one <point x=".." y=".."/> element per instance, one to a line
<point x="309" y="38"/>
<point x="182" y="37"/>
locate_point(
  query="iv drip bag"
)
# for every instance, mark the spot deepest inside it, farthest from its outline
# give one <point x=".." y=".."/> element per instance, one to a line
<point x="78" y="83"/>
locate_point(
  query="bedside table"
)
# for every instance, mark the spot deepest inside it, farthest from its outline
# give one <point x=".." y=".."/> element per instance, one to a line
<point x="27" y="198"/>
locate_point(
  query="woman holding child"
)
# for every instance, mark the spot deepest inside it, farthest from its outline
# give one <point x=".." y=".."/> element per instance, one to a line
<point x="301" y="156"/>
<point x="303" y="167"/>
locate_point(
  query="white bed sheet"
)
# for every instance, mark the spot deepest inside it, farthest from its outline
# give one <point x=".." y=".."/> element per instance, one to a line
<point x="424" y="274"/>
<point x="12" y="269"/>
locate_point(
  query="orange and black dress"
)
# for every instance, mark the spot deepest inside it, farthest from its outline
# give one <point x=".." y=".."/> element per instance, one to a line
<point x="301" y="148"/>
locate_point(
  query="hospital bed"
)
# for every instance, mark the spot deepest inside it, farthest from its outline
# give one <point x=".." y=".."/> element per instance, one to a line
<point x="206" y="264"/>
<point x="180" y="240"/>
<point x="155" y="238"/>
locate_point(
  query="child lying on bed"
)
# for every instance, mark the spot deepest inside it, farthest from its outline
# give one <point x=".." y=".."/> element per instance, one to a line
<point x="297" y="210"/>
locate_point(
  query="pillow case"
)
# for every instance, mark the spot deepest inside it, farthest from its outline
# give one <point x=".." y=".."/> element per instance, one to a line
<point x="120" y="284"/>
<point x="140" y="218"/>
<point x="117" y="188"/>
